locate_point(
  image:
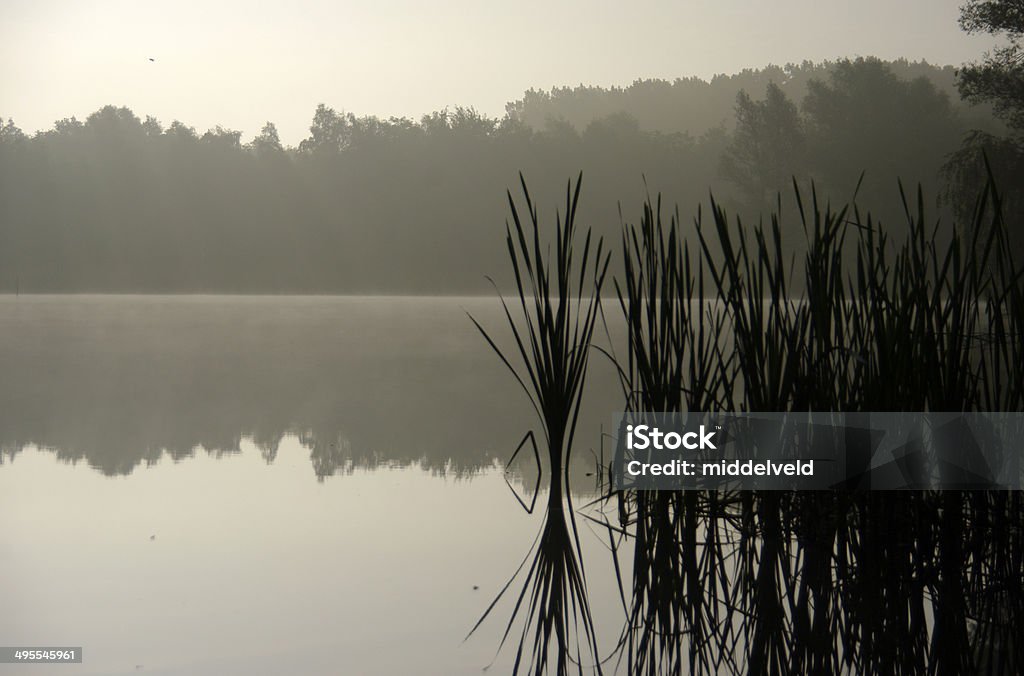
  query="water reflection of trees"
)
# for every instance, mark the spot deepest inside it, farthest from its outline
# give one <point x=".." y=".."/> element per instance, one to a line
<point x="121" y="382"/>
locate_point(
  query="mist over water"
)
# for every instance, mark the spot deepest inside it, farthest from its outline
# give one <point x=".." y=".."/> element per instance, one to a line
<point x="119" y="382"/>
<point x="338" y="459"/>
<point x="294" y="335"/>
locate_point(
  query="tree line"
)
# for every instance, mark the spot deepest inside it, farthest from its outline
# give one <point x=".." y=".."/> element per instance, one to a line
<point x="119" y="202"/>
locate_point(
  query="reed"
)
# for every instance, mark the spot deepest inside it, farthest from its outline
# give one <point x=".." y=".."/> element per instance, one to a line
<point x="846" y="582"/>
<point x="673" y="344"/>
<point x="557" y="308"/>
<point x="854" y="316"/>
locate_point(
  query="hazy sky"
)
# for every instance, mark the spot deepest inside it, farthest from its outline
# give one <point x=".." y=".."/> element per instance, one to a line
<point x="241" y="63"/>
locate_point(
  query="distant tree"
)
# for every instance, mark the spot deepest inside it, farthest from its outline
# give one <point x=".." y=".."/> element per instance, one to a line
<point x="767" y="147"/>
<point x="220" y="137"/>
<point x="691" y="104"/>
<point x="999" y="78"/>
<point x="330" y="133"/>
<point x="152" y="127"/>
<point x="867" y="119"/>
<point x="619" y="125"/>
<point x="966" y="172"/>
<point x="512" y="127"/>
<point x="470" y="122"/>
<point x="560" y="133"/>
<point x="112" y="203"/>
<point x="67" y="126"/>
<point x="267" y="142"/>
<point x="181" y="132"/>
<point x="9" y="132"/>
<point x="114" y="124"/>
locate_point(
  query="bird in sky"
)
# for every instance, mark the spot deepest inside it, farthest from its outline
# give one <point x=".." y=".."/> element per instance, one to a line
<point x="152" y="59"/>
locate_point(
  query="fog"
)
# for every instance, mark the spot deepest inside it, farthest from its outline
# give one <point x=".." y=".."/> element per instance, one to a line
<point x="122" y="201"/>
<point x="248" y="250"/>
<point x="330" y="148"/>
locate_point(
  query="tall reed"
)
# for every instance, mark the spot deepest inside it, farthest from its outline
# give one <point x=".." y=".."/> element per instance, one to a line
<point x="804" y="582"/>
<point x="857" y="316"/>
<point x="558" y="306"/>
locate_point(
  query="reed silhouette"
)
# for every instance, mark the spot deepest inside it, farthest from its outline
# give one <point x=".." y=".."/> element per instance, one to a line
<point x="919" y="317"/>
<point x="552" y="339"/>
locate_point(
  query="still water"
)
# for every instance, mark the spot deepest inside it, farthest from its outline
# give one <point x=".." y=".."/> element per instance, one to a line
<point x="266" y="485"/>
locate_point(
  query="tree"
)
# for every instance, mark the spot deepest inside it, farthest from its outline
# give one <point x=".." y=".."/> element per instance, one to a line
<point x="999" y="78"/>
<point x="226" y="139"/>
<point x="152" y="127"/>
<point x="866" y="119"/>
<point x="9" y="132"/>
<point x="114" y="124"/>
<point x="267" y="143"/>
<point x="330" y="132"/>
<point x="181" y="132"/>
<point x="767" y="147"/>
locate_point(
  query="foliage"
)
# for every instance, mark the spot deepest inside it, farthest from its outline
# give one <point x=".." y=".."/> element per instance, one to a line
<point x="693" y="105"/>
<point x="999" y="78"/>
<point x="864" y="119"/>
<point x="119" y="203"/>
<point x="767" y="146"/>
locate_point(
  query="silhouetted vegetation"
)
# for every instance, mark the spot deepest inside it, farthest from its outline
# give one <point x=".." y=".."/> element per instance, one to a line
<point x="752" y="309"/>
<point x="808" y="582"/>
<point x="819" y="582"/>
<point x="998" y="80"/>
<point x="692" y="105"/>
<point x="558" y="309"/>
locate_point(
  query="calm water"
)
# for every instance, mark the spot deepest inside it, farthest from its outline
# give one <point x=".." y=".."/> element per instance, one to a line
<point x="243" y="485"/>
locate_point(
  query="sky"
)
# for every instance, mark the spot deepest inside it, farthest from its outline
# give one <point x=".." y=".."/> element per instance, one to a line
<point x="240" y="64"/>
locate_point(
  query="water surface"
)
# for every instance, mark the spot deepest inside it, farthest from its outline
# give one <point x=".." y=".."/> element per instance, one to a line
<point x="245" y="485"/>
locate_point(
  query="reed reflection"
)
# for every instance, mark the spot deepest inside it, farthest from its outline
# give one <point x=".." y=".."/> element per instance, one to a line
<point x="903" y="319"/>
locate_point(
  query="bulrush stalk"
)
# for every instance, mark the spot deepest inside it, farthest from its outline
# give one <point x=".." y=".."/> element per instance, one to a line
<point x="559" y="302"/>
<point x="854" y="316"/>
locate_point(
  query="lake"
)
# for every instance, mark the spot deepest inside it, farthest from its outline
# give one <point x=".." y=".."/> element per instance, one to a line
<point x="265" y="485"/>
